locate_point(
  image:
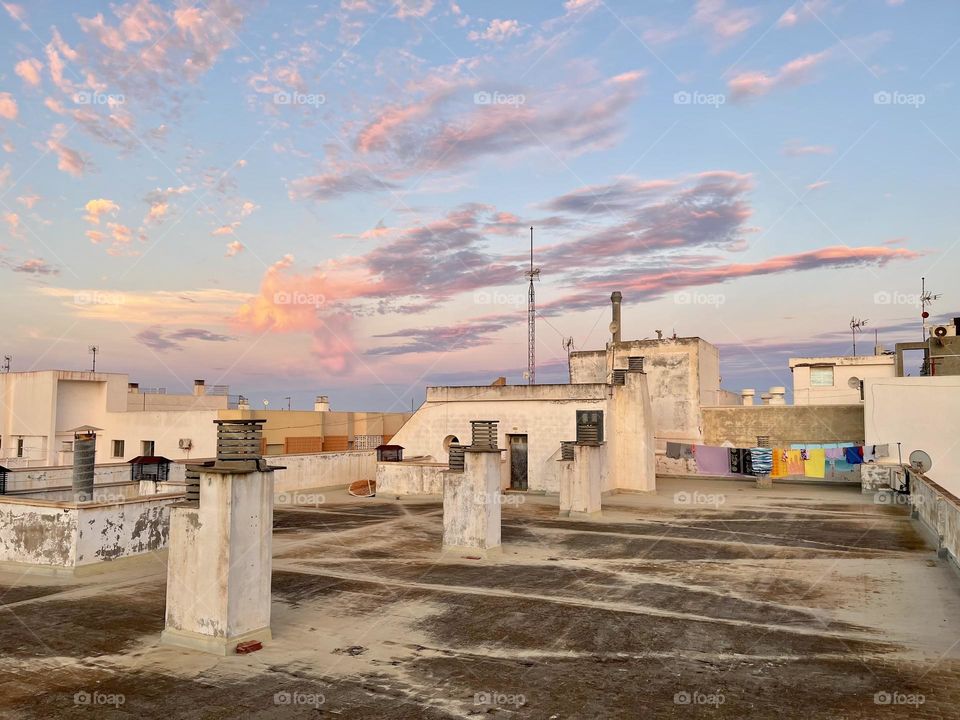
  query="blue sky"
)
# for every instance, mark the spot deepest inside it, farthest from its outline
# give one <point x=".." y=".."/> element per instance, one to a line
<point x="334" y="197"/>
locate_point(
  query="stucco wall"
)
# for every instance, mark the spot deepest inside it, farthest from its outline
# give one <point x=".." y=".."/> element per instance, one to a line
<point x="921" y="413"/>
<point x="322" y="470"/>
<point x="545" y="413"/>
<point x="785" y="424"/>
<point x="410" y="478"/>
<point x="62" y="476"/>
<point x="69" y="535"/>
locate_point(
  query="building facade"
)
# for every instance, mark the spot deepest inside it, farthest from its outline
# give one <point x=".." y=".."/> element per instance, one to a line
<point x="836" y="380"/>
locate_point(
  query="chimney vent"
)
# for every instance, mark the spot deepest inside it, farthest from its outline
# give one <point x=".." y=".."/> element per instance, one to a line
<point x="635" y="363"/>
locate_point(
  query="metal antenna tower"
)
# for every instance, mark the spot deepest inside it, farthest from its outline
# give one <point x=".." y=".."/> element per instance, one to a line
<point x="93" y="351"/>
<point x="533" y="274"/>
<point x="6" y="363"/>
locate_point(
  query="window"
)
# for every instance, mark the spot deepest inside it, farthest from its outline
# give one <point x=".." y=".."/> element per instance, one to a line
<point x="118" y="448"/>
<point x="66" y="446"/>
<point x="146" y="448"/>
<point x="19" y="447"/>
<point x="821" y="376"/>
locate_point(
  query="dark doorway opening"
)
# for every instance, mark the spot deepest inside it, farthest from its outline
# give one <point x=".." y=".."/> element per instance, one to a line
<point x="518" y="461"/>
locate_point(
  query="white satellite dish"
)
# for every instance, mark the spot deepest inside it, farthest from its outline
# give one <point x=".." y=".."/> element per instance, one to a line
<point x="920" y="461"/>
<point x="614" y="327"/>
<point x="854" y="383"/>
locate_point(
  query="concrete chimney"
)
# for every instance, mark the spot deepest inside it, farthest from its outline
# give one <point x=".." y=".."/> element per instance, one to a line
<point x="765" y="398"/>
<point x="778" y="395"/>
<point x="747" y="395"/>
<point x="199" y="388"/>
<point x="321" y="404"/>
<point x="616" y="298"/>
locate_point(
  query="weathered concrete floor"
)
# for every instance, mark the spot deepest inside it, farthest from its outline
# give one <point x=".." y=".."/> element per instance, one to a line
<point x="792" y="602"/>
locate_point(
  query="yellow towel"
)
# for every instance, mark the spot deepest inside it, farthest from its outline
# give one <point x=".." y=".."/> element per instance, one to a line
<point x="815" y="464"/>
<point x="779" y="468"/>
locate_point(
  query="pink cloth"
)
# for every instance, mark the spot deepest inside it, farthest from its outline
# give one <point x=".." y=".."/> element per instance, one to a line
<point x="834" y="453"/>
<point x="712" y="460"/>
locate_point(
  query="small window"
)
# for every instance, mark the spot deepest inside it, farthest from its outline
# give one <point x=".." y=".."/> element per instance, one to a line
<point x="821" y="376"/>
<point x="118" y="448"/>
<point x="66" y="446"/>
<point x="146" y="448"/>
<point x="19" y="447"/>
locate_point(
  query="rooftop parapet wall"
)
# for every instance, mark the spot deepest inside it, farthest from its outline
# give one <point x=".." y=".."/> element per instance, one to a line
<point x="505" y="393"/>
<point x="784" y="424"/>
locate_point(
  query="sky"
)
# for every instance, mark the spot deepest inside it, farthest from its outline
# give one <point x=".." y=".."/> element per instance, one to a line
<point x="335" y="198"/>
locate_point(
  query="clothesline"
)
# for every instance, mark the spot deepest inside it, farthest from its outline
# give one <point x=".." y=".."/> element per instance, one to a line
<point x="809" y="459"/>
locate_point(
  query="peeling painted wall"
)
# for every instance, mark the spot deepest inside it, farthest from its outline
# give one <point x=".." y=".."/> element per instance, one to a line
<point x="408" y="478"/>
<point x="38" y="534"/>
<point x="67" y="534"/>
<point x="785" y="424"/>
<point x="322" y="470"/>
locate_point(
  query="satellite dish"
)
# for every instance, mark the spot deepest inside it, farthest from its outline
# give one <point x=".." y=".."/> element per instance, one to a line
<point x="920" y="461"/>
<point x="614" y="327"/>
<point x="854" y="382"/>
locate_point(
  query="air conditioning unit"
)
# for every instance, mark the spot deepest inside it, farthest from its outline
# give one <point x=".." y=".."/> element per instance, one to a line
<point x="942" y="331"/>
<point x="185" y="443"/>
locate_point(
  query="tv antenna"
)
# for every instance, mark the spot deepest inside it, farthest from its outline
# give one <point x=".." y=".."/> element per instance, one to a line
<point x="93" y="350"/>
<point x="534" y="274"/>
<point x="856" y="325"/>
<point x="926" y="300"/>
<point x="6" y="363"/>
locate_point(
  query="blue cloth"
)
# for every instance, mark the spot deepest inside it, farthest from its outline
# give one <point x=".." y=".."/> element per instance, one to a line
<point x="853" y="455"/>
<point x="762" y="460"/>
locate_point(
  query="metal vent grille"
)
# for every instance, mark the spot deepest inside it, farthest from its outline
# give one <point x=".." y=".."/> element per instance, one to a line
<point x="620" y="376"/>
<point x="239" y="440"/>
<point x="484" y="434"/>
<point x="635" y="363"/>
<point x="566" y="449"/>
<point x="3" y="480"/>
<point x="763" y="441"/>
<point x="192" y="476"/>
<point x="457" y="462"/>
<point x="589" y="426"/>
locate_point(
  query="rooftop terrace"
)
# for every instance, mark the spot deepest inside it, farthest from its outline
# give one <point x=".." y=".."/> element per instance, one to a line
<point x="796" y="601"/>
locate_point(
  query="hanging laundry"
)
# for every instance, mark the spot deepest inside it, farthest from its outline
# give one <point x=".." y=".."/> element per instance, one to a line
<point x="881" y="451"/>
<point x="687" y="451"/>
<point x="740" y="461"/>
<point x="794" y="463"/>
<point x="712" y="460"/>
<point x="778" y="467"/>
<point x="853" y="455"/>
<point x="842" y="466"/>
<point x="762" y="460"/>
<point x="868" y="453"/>
<point x="834" y="453"/>
<point x="815" y="464"/>
<point x="804" y="455"/>
<point x="673" y="450"/>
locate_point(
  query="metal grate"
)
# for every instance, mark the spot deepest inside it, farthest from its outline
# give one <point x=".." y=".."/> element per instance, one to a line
<point x="457" y="461"/>
<point x="566" y="449"/>
<point x="3" y="480"/>
<point x="635" y="363"/>
<point x="484" y="434"/>
<point x="763" y="441"/>
<point x="239" y="440"/>
<point x="589" y="426"/>
<point x="619" y="376"/>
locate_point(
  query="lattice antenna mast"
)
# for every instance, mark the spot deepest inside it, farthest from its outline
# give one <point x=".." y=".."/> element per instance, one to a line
<point x="533" y="274"/>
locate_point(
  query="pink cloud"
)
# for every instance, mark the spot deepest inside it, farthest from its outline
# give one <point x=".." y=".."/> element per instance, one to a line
<point x="8" y="106"/>
<point x="795" y="149"/>
<point x="498" y="31"/>
<point x="29" y="71"/>
<point x="725" y="23"/>
<point x="757" y="83"/>
<point x="68" y="160"/>
<point x="99" y="207"/>
<point x="235" y="248"/>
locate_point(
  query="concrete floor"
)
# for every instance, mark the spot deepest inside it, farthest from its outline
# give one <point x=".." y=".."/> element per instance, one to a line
<point x="724" y="601"/>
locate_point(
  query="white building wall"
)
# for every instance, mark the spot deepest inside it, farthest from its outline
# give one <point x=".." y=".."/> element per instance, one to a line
<point x="844" y="368"/>
<point x="545" y="413"/>
<point x="922" y="413"/>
